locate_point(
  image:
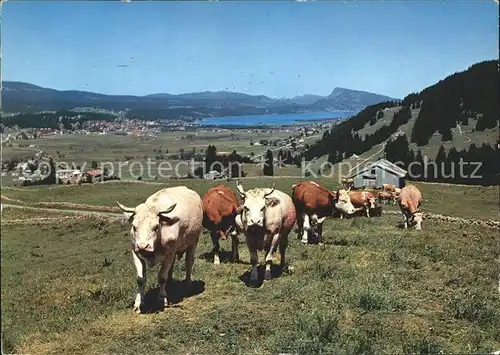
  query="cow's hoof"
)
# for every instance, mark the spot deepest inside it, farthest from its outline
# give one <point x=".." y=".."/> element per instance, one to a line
<point x="267" y="275"/>
<point x="163" y="302"/>
<point x="137" y="310"/>
<point x="304" y="242"/>
<point x="216" y="262"/>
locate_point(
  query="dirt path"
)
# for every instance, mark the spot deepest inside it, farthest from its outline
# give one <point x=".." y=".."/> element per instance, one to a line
<point x="58" y="210"/>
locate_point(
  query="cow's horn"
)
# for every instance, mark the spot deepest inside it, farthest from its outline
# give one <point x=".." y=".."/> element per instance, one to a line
<point x="272" y="190"/>
<point x="240" y="189"/>
<point x="125" y="208"/>
<point x="167" y="211"/>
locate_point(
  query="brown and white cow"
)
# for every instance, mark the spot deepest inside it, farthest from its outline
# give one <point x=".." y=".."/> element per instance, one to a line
<point x="267" y="217"/>
<point x="314" y="203"/>
<point x="362" y="201"/>
<point x="384" y="196"/>
<point x="220" y="207"/>
<point x="409" y="201"/>
<point x="167" y="224"/>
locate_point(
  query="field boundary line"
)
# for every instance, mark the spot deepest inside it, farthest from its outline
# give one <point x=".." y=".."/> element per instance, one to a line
<point x="426" y="215"/>
<point x="430" y="215"/>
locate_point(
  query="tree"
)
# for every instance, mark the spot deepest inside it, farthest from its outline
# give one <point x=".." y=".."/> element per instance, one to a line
<point x="210" y="157"/>
<point x="268" y="164"/>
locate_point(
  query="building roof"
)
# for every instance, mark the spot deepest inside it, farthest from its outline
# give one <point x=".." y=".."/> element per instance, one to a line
<point x="383" y="164"/>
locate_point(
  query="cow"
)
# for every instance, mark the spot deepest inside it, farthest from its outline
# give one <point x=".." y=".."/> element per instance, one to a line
<point x="384" y="196"/>
<point x="409" y="201"/>
<point x="314" y="203"/>
<point x="389" y="187"/>
<point x="348" y="183"/>
<point x="220" y="207"/>
<point x="362" y="201"/>
<point x="167" y="224"/>
<point x="267" y="216"/>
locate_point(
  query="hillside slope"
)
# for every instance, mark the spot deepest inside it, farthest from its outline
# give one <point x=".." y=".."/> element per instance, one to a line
<point x="455" y="118"/>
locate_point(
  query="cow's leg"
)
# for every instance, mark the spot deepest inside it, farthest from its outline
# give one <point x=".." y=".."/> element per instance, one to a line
<point x="282" y="247"/>
<point x="320" y="232"/>
<point x="269" y="256"/>
<point x="234" y="247"/>
<point x="254" y="259"/>
<point x="163" y="276"/>
<point x="367" y="212"/>
<point x="190" y="251"/>
<point x="406" y="220"/>
<point x="216" y="246"/>
<point x="306" y="226"/>
<point x="171" y="272"/>
<point x="140" y="267"/>
<point x="300" y="224"/>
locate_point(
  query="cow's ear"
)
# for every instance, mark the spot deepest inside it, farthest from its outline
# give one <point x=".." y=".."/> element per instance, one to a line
<point x="128" y="217"/>
<point x="128" y="212"/>
<point x="272" y="201"/>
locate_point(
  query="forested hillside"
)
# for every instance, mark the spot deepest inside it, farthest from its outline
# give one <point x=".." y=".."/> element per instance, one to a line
<point x="466" y="99"/>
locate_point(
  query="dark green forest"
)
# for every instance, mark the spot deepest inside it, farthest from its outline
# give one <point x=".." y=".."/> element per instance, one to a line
<point x="53" y="120"/>
<point x="469" y="94"/>
<point x="475" y="166"/>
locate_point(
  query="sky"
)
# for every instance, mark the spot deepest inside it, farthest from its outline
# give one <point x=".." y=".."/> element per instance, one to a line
<point x="278" y="49"/>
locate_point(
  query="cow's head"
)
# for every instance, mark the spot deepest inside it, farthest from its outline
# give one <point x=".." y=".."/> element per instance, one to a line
<point x="371" y="203"/>
<point x="146" y="223"/>
<point x="255" y="202"/>
<point x="343" y="202"/>
<point x="416" y="220"/>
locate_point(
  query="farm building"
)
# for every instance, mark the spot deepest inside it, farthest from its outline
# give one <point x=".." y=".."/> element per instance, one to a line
<point x="377" y="174"/>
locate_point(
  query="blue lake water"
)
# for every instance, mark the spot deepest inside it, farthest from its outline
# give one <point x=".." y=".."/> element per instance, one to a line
<point x="276" y="119"/>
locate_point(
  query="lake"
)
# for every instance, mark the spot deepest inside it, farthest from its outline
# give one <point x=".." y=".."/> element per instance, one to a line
<point x="275" y="119"/>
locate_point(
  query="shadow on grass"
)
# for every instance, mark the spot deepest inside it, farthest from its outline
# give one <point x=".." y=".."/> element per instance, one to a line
<point x="224" y="257"/>
<point x="177" y="291"/>
<point x="276" y="272"/>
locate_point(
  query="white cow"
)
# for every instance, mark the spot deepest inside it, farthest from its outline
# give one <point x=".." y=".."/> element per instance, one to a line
<point x="169" y="222"/>
<point x="266" y="218"/>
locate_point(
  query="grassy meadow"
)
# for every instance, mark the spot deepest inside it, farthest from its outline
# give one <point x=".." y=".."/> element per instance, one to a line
<point x="68" y="287"/>
<point x="129" y="157"/>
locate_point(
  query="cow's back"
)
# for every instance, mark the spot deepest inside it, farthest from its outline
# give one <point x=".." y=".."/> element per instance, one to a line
<point x="410" y="198"/>
<point x="283" y="215"/>
<point x="218" y="203"/>
<point x="188" y="209"/>
<point x="311" y="197"/>
<point x="359" y="198"/>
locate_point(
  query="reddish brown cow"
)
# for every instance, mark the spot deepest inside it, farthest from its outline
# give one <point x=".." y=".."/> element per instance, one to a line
<point x="384" y="196"/>
<point x="314" y="203"/>
<point x="220" y="207"/>
<point x="362" y="201"/>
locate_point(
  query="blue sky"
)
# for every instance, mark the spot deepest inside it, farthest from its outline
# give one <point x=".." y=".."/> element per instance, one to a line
<point x="279" y="49"/>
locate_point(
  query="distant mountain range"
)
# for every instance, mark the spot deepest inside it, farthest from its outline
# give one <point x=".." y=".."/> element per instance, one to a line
<point x="24" y="97"/>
